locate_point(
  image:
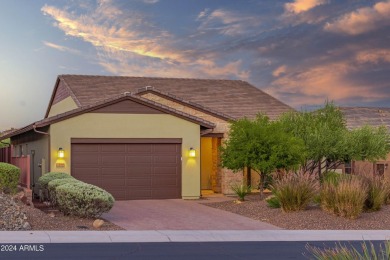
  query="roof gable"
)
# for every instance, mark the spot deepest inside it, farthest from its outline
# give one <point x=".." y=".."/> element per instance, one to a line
<point x="128" y="107"/>
<point x="99" y="107"/>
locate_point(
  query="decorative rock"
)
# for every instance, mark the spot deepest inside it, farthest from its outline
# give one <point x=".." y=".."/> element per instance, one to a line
<point x="11" y="215"/>
<point x="51" y="214"/>
<point x="26" y="226"/>
<point x="98" y="223"/>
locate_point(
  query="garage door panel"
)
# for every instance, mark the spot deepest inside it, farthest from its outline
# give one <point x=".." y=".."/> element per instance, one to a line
<point x="132" y="159"/>
<point x="86" y="148"/>
<point x="113" y="160"/>
<point x="86" y="159"/>
<point x="166" y="159"/>
<point x="131" y="170"/>
<point x="164" y="181"/>
<point x="142" y="182"/>
<point x="139" y="148"/>
<point x="113" y="148"/>
<point x="165" y="148"/>
<point x="165" y="170"/>
<point x="135" y="171"/>
<point x="113" y="172"/>
<point x="85" y="172"/>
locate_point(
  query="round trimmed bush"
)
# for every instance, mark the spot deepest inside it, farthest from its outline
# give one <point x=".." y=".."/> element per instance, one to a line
<point x="83" y="200"/>
<point x="9" y="177"/>
<point x="48" y="177"/>
<point x="52" y="186"/>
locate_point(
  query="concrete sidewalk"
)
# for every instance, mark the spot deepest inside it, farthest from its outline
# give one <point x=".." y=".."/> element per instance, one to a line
<point x="40" y="237"/>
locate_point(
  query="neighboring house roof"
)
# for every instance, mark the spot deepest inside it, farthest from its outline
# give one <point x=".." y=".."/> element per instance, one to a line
<point x="105" y="103"/>
<point x="360" y="116"/>
<point x="234" y="98"/>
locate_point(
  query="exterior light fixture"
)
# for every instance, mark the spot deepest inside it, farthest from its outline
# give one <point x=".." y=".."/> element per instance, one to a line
<point x="60" y="153"/>
<point x="192" y="153"/>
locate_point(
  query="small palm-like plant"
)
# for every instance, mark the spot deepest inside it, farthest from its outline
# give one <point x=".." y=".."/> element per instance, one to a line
<point x="241" y="190"/>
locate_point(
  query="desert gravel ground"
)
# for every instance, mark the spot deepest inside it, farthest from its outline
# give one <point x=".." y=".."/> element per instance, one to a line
<point x="311" y="219"/>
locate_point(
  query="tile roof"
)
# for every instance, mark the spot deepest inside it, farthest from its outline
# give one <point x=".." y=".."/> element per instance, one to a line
<point x="235" y="98"/>
<point x="359" y="116"/>
<point x="106" y="102"/>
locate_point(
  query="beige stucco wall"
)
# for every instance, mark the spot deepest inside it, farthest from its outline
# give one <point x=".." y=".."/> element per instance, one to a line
<point x="63" y="106"/>
<point x="97" y="125"/>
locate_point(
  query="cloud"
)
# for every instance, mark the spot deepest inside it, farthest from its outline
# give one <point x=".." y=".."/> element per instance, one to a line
<point x="279" y="71"/>
<point x="362" y="20"/>
<point x="150" y="1"/>
<point x="334" y="80"/>
<point x="299" y="6"/>
<point x="61" y="48"/>
<point x="226" y="22"/>
<point x="373" y="56"/>
<point x="128" y="45"/>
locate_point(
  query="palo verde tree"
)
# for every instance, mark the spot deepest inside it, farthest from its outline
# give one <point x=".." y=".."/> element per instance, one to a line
<point x="329" y="143"/>
<point x="262" y="145"/>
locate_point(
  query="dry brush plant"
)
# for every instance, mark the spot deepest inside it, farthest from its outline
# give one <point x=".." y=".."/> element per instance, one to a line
<point x="295" y="190"/>
<point x="346" y="197"/>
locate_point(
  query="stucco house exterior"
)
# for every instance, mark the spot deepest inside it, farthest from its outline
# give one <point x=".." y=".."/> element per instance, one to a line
<point x="140" y="138"/>
<point x="357" y="117"/>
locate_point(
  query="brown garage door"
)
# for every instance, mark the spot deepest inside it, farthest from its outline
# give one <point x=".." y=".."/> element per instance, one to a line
<point x="138" y="169"/>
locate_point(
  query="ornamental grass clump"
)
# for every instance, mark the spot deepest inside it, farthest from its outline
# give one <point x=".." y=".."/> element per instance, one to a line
<point x="378" y="191"/>
<point x="346" y="198"/>
<point x="83" y="200"/>
<point x="241" y="190"/>
<point x="368" y="252"/>
<point x="295" y="191"/>
<point x="9" y="178"/>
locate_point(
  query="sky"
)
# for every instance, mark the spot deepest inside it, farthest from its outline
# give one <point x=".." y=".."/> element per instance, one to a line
<point x="302" y="52"/>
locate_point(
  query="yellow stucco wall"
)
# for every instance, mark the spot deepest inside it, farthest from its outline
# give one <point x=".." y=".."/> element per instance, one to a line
<point x="63" y="106"/>
<point x="97" y="125"/>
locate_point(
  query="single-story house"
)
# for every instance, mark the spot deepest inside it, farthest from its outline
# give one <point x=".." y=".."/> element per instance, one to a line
<point x="357" y="117"/>
<point x="138" y="137"/>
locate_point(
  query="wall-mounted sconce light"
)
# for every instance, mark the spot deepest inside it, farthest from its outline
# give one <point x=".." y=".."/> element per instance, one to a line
<point x="192" y="153"/>
<point x="60" y="153"/>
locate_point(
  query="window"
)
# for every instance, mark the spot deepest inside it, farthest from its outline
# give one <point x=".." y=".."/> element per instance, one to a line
<point x="20" y="151"/>
<point x="348" y="167"/>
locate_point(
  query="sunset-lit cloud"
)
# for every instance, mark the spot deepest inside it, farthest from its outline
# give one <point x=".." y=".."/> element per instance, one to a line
<point x="295" y="59"/>
<point x="299" y="6"/>
<point x="61" y="48"/>
<point x="362" y="20"/>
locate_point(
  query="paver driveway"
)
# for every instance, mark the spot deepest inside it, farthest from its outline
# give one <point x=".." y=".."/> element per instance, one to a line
<point x="177" y="214"/>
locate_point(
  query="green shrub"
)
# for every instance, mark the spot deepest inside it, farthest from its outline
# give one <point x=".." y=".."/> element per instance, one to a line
<point x="241" y="190"/>
<point x="378" y="190"/>
<point x="332" y="177"/>
<point x="295" y="191"/>
<point x="9" y="178"/>
<point x="44" y="180"/>
<point x="83" y="200"/>
<point x="273" y="202"/>
<point x="346" y="198"/>
<point x="367" y="252"/>
<point x="52" y="186"/>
